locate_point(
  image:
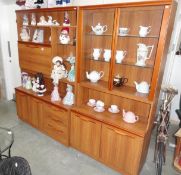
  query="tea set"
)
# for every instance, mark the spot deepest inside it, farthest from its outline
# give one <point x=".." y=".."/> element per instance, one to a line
<point x="143" y="31"/>
<point x="99" y="29"/>
<point x="120" y="55"/>
<point x="94" y="76"/>
<point x="99" y="106"/>
<point x="97" y="53"/>
<point x="119" y="81"/>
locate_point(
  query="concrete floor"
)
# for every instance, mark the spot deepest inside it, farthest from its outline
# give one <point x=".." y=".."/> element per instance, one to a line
<point x="48" y="157"/>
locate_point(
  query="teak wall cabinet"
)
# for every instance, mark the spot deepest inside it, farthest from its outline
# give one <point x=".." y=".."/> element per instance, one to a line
<point x="104" y="136"/>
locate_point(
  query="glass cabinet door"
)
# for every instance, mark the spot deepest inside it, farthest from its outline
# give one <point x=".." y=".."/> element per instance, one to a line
<point x="97" y="36"/>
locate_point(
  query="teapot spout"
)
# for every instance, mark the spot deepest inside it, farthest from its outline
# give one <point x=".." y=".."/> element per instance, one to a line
<point x="136" y="85"/>
<point x="124" y="113"/>
<point x="93" y="29"/>
<point x="87" y="75"/>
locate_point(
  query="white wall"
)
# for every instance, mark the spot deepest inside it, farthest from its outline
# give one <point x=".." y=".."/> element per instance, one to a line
<point x="8" y="32"/>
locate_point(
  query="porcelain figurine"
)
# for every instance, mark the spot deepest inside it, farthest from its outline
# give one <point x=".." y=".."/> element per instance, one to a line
<point x="24" y="78"/>
<point x="42" y="21"/>
<point x="98" y="29"/>
<point x="66" y="21"/>
<point x="142" y="54"/>
<point x="25" y="20"/>
<point x="28" y="83"/>
<point x="55" y="23"/>
<point x="34" y="84"/>
<point x="64" y="36"/>
<point x="33" y="19"/>
<point x="50" y="20"/>
<point x="142" y="87"/>
<point x="25" y="34"/>
<point x="55" y="95"/>
<point x="94" y="76"/>
<point x="40" y="87"/>
<point x="69" y="97"/>
<point x="71" y="73"/>
<point x="59" y="70"/>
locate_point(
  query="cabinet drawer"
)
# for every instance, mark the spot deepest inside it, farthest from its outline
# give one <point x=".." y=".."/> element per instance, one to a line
<point x="35" y="58"/>
<point x="55" y="123"/>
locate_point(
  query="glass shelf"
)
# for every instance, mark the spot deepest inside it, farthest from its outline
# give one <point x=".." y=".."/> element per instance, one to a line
<point x="100" y="60"/>
<point x="93" y="34"/>
<point x="133" y="64"/>
<point x="47" y="26"/>
<point x="137" y="36"/>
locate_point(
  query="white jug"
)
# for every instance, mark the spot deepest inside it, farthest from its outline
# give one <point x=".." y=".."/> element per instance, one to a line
<point x="96" y="53"/>
<point x="107" y="55"/>
<point x="144" y="31"/>
<point x="142" y="54"/>
<point x="120" y="54"/>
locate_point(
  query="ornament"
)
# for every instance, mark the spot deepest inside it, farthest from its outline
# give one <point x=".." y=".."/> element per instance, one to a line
<point x="28" y="83"/>
<point x="55" y="95"/>
<point x="69" y="97"/>
<point x="40" y="86"/>
<point x="71" y="73"/>
<point x="59" y="70"/>
<point x="66" y="20"/>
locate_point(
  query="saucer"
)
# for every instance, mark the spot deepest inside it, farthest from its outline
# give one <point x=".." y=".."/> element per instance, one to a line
<point x="129" y="121"/>
<point x="121" y="34"/>
<point x="110" y="110"/>
<point x="91" y="105"/>
<point x="98" y="110"/>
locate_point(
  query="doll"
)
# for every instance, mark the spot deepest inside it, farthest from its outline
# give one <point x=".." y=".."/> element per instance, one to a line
<point x="59" y="70"/>
<point x="55" y="95"/>
<point x="69" y="97"/>
<point x="71" y="73"/>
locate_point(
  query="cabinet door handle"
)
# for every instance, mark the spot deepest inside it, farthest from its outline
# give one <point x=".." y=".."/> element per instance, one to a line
<point x="120" y="132"/>
<point x="85" y="119"/>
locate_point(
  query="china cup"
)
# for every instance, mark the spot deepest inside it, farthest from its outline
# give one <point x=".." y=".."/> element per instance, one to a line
<point x="114" y="108"/>
<point x="123" y="31"/>
<point x="92" y="102"/>
<point x="99" y="105"/>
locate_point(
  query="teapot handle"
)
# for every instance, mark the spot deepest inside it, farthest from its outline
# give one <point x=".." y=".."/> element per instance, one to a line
<point x="150" y="51"/>
<point x="149" y="29"/>
<point x="101" y="73"/>
<point x="105" y="28"/>
<point x="136" y="118"/>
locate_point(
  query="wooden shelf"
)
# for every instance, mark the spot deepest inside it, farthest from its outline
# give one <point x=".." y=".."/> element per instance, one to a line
<point x="100" y="60"/>
<point x="124" y="91"/>
<point x="67" y="82"/>
<point x="115" y="120"/>
<point x="131" y="93"/>
<point x="134" y="64"/>
<point x="99" y="86"/>
<point x="33" y="43"/>
<point x="45" y="98"/>
<point x="137" y="36"/>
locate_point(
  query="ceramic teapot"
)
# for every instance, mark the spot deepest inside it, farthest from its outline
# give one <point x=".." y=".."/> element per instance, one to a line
<point x="129" y="117"/>
<point x="94" y="76"/>
<point x="25" y="34"/>
<point x="142" y="87"/>
<point x="142" y="53"/>
<point x="98" y="29"/>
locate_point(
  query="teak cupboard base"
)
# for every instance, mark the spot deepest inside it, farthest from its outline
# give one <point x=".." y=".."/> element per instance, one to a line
<point x="103" y="136"/>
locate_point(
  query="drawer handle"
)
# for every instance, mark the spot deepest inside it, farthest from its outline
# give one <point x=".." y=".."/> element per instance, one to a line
<point x="54" y="128"/>
<point x="42" y="49"/>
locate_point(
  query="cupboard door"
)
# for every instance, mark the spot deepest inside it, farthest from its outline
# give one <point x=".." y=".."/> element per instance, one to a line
<point x="35" y="58"/>
<point x="22" y="106"/>
<point x="85" y="134"/>
<point x="120" y="150"/>
<point x="35" y="112"/>
<point x="55" y="123"/>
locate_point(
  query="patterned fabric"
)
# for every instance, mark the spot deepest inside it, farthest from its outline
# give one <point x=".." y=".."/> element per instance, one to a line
<point x="14" y="166"/>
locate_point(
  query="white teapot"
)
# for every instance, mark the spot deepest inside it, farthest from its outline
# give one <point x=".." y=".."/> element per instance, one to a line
<point x="25" y="34"/>
<point x="142" y="53"/>
<point x="129" y="117"/>
<point x="94" y="76"/>
<point x="98" y="29"/>
<point x="142" y="87"/>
